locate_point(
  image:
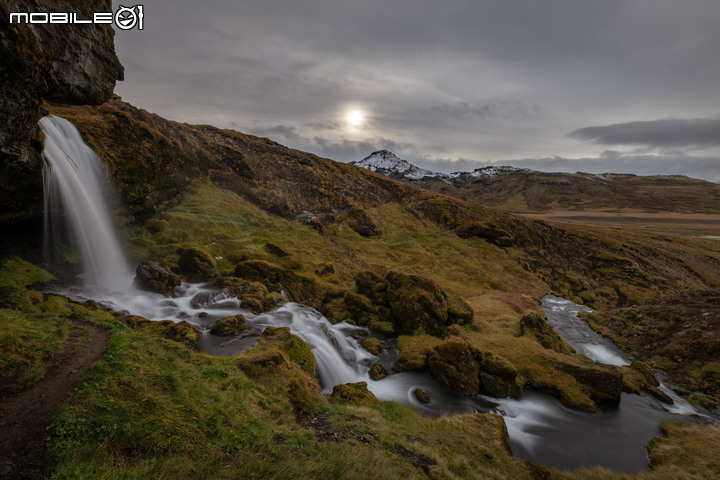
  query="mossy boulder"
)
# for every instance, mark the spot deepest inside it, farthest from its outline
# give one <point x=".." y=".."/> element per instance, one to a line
<point x="412" y="301"/>
<point x="372" y="345"/>
<point x="196" y="264"/>
<point x="276" y="347"/>
<point x="300" y="289"/>
<point x="422" y="395"/>
<point x="537" y="326"/>
<point x="181" y="332"/>
<point x="253" y="296"/>
<point x="455" y="363"/>
<point x="281" y="361"/>
<point x="499" y="377"/>
<point x="459" y="311"/>
<point x="229" y="326"/>
<point x="414" y="351"/>
<point x="603" y="383"/>
<point x="378" y="372"/>
<point x="156" y="277"/>
<point x="355" y="393"/>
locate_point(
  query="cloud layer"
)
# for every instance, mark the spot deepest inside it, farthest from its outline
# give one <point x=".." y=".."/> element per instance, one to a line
<point x="670" y="133"/>
<point x="474" y="79"/>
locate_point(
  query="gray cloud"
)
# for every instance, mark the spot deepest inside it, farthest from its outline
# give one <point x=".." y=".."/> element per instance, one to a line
<point x="466" y="111"/>
<point x="669" y="133"/>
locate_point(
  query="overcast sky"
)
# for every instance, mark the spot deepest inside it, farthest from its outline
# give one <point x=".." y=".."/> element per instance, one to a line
<point x="601" y="85"/>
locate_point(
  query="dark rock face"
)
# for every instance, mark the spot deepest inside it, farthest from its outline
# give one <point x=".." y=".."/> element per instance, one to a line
<point x="156" y="277"/>
<point x="56" y="62"/>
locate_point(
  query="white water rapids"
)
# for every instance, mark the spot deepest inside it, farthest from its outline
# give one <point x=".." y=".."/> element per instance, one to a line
<point x="540" y="427"/>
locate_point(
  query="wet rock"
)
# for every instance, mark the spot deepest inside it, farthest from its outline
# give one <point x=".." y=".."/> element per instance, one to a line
<point x="601" y="382"/>
<point x="421" y="395"/>
<point x="378" y="372"/>
<point x="253" y="296"/>
<point x="203" y="299"/>
<point x="156" y="277"/>
<point x="355" y="393"/>
<point x="454" y="363"/>
<point x="229" y="326"/>
<point x="196" y="264"/>
<point x="372" y="345"/>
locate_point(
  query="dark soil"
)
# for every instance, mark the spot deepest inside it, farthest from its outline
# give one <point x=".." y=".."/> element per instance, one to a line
<point x="25" y="416"/>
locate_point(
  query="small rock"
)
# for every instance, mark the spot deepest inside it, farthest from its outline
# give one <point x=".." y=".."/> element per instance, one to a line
<point x="422" y="395"/>
<point x="378" y="372"/>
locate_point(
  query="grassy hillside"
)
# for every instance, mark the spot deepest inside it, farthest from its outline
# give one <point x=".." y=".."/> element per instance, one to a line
<point x="522" y="190"/>
<point x="358" y="247"/>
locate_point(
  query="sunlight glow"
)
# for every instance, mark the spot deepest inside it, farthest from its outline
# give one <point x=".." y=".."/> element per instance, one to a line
<point x="355" y="118"/>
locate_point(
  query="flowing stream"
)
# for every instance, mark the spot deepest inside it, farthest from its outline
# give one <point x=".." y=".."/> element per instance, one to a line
<point x="540" y="427"/>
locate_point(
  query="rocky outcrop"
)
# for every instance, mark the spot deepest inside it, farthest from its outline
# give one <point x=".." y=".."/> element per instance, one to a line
<point x="196" y="264"/>
<point x="537" y="326"/>
<point x="55" y="62"/>
<point x="156" y="277"/>
<point x="454" y="363"/>
<point x="411" y="302"/>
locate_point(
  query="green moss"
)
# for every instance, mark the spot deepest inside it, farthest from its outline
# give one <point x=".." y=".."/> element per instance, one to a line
<point x="355" y="394"/>
<point x="372" y="345"/>
<point x="229" y="326"/>
<point x="414" y="351"/>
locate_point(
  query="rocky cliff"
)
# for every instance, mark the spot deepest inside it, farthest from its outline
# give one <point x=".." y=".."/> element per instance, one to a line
<point x="55" y="62"/>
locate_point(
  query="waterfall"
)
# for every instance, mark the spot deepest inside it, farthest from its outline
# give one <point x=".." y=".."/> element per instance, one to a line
<point x="73" y="178"/>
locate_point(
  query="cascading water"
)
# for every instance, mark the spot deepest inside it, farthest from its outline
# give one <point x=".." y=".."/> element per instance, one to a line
<point x="73" y="178"/>
<point x="540" y="428"/>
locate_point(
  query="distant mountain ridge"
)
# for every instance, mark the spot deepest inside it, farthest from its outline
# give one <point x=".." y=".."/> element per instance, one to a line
<point x="387" y="163"/>
<point x="524" y="190"/>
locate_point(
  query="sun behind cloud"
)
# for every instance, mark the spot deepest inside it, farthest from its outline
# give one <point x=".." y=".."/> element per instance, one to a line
<point x="355" y="118"/>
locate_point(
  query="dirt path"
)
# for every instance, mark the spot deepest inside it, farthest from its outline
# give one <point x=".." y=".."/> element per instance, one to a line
<point x="24" y="417"/>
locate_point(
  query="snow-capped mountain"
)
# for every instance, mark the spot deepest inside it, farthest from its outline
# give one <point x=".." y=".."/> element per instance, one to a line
<point x="387" y="163"/>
